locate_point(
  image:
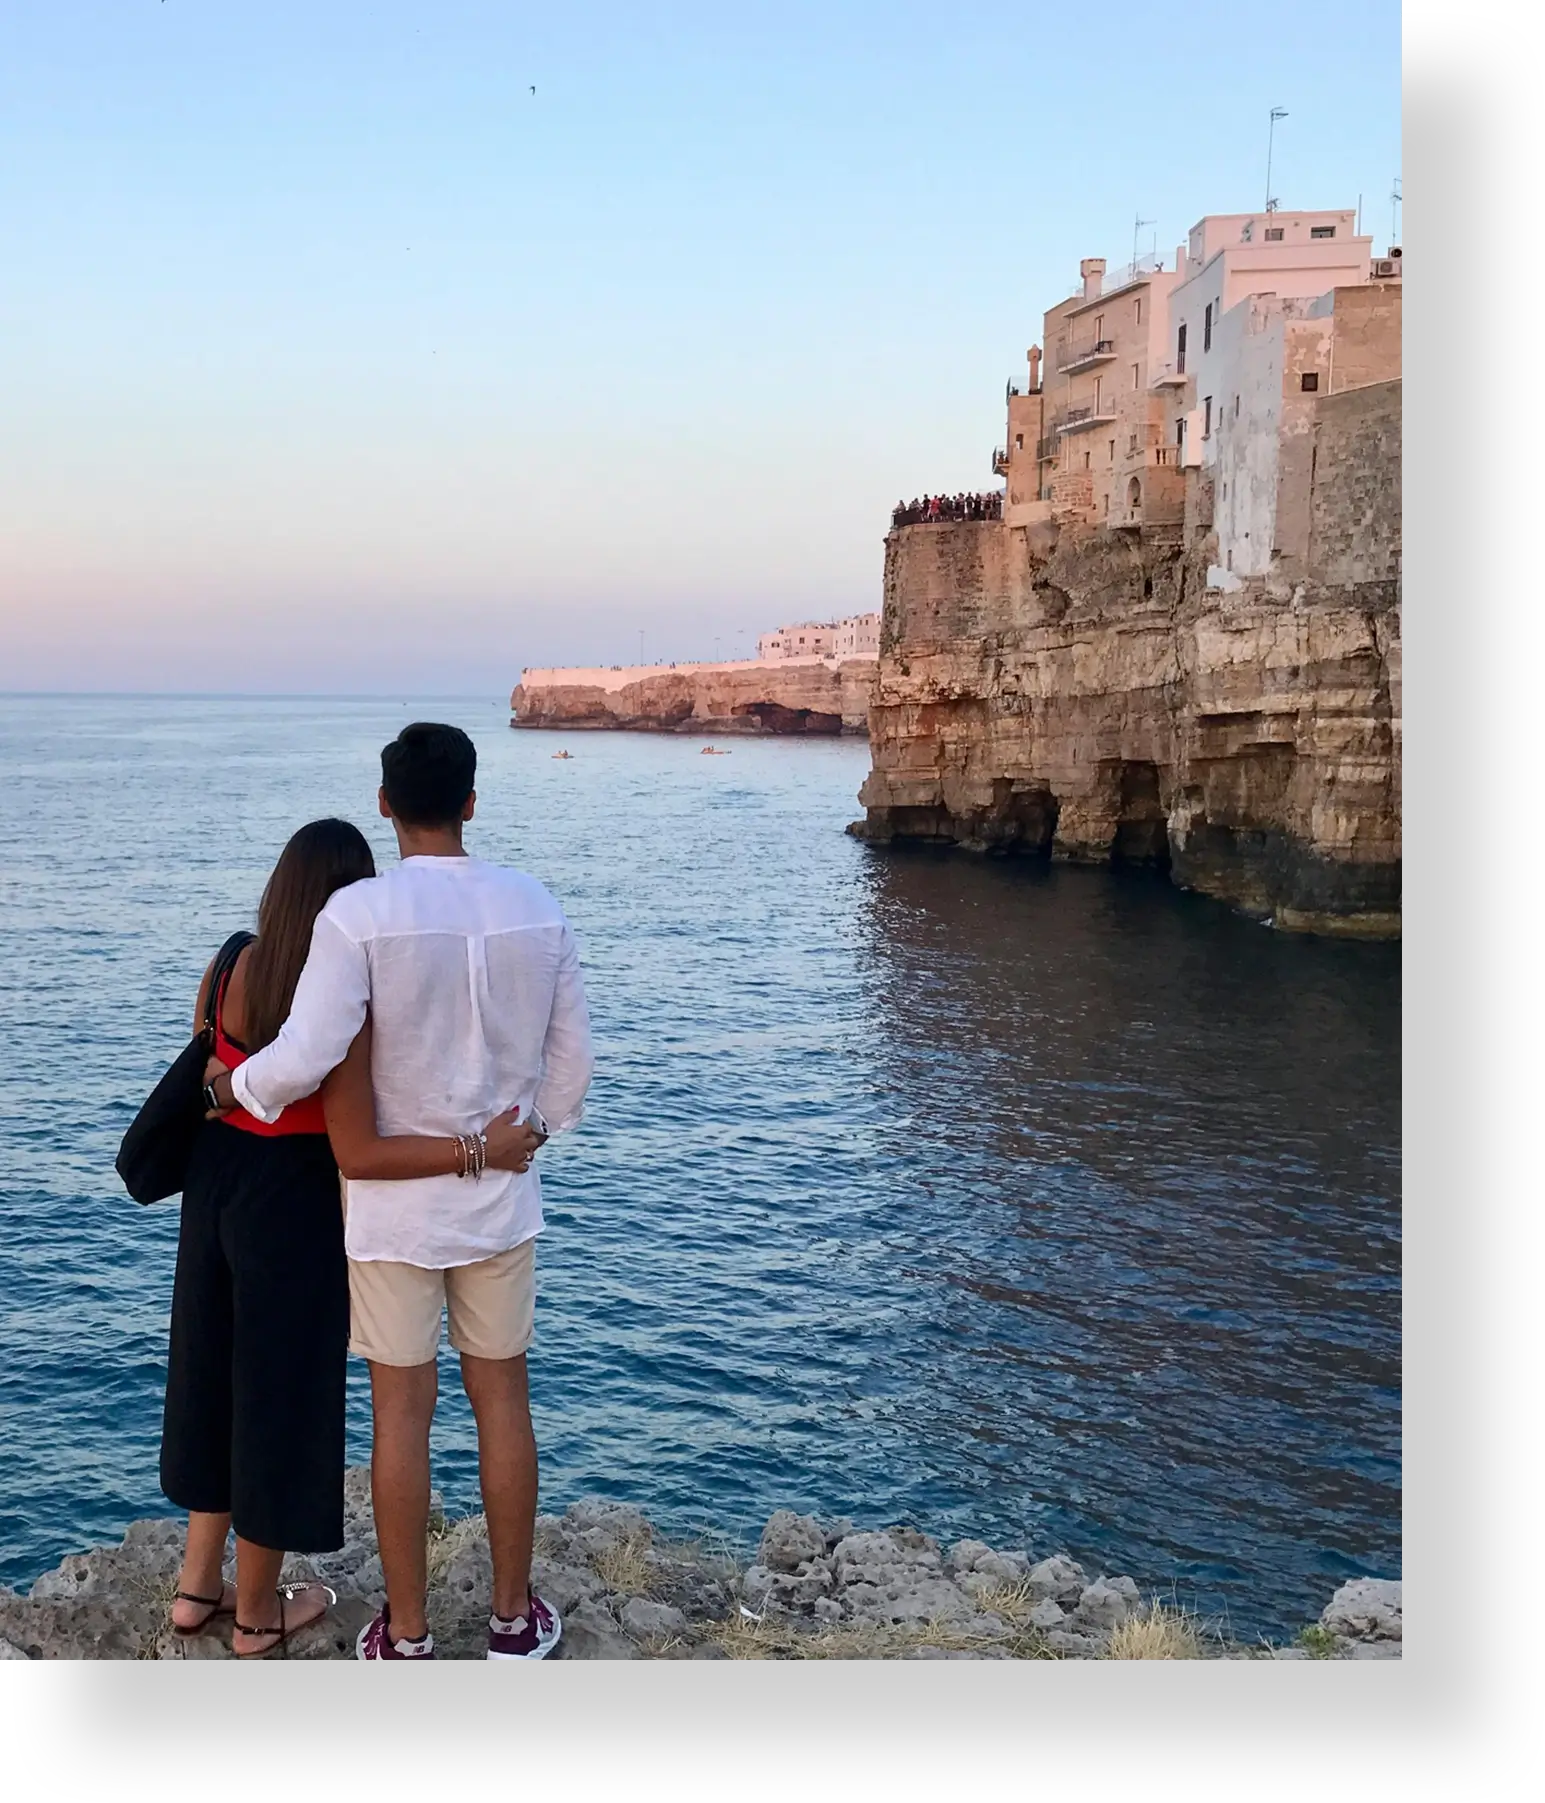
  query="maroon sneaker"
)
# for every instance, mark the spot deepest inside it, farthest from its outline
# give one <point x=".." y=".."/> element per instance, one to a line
<point x="529" y="1636"/>
<point x="375" y="1641"/>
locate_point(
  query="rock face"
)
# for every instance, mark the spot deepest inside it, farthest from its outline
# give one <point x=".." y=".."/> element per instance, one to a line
<point x="1087" y="695"/>
<point x="816" y="1590"/>
<point x="785" y="696"/>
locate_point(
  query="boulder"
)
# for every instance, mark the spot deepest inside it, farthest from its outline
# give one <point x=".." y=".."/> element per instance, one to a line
<point x="1100" y="1608"/>
<point x="790" y="1541"/>
<point x="974" y="1558"/>
<point x="645" y="1620"/>
<point x="598" y="1524"/>
<point x="1060" y="1578"/>
<point x="590" y="1633"/>
<point x="1365" y="1609"/>
<point x="1047" y="1614"/>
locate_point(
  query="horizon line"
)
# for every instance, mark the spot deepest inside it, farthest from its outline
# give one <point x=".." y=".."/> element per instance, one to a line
<point x="243" y="695"/>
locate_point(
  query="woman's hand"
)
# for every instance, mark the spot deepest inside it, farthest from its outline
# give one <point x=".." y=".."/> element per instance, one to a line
<point x="217" y="1086"/>
<point x="511" y="1143"/>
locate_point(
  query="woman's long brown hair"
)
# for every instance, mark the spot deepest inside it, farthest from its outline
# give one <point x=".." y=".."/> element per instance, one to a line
<point x="319" y="859"/>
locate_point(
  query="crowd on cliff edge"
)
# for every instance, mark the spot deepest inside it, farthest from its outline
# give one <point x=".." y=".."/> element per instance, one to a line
<point x="948" y="507"/>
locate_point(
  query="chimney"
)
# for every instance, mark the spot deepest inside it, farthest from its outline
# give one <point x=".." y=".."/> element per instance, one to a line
<point x="1092" y="269"/>
<point x="1033" y="357"/>
<point x="1181" y="262"/>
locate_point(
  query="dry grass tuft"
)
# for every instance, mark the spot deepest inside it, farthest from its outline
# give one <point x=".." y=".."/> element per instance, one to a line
<point x="449" y="1538"/>
<point x="548" y="1539"/>
<point x="1010" y="1602"/>
<point x="626" y="1566"/>
<point x="1156" y="1633"/>
<point x="742" y="1638"/>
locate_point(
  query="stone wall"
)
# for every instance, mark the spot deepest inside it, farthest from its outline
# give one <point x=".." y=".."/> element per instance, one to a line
<point x="1355" y="503"/>
<point x="1085" y="695"/>
<point x="1367" y="335"/>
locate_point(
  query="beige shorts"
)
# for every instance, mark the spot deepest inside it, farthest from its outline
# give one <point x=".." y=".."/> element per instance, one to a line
<point x="394" y="1310"/>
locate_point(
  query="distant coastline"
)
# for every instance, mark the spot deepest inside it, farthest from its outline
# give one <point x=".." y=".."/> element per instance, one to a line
<point x="811" y="696"/>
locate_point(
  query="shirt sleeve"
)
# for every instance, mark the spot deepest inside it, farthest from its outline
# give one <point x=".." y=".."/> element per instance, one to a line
<point x="327" y="1012"/>
<point x="568" y="1060"/>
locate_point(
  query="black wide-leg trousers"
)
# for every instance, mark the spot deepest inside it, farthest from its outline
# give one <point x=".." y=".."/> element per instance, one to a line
<point x="259" y="1340"/>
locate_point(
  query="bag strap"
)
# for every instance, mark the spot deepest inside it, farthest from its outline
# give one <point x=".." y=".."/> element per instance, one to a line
<point x="224" y="964"/>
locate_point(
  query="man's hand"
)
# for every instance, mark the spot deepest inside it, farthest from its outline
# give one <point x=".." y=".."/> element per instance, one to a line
<point x="217" y="1076"/>
<point x="510" y="1143"/>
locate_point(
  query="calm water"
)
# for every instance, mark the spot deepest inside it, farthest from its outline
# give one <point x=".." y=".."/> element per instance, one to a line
<point x="1030" y="1203"/>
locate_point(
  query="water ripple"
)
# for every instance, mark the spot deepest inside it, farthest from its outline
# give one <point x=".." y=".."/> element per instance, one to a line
<point x="1030" y="1203"/>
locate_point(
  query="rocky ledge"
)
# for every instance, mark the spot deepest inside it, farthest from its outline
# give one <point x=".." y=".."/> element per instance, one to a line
<point x="816" y="1590"/>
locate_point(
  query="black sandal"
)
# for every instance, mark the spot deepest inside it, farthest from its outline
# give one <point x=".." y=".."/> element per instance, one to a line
<point x="216" y="1606"/>
<point x="282" y="1632"/>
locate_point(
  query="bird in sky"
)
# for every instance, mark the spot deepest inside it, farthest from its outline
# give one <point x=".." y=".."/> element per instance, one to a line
<point x="533" y="90"/>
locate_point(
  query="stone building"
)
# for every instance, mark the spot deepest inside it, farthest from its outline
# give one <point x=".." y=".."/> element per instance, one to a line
<point x="1087" y="425"/>
<point x="856" y="636"/>
<point x="1227" y="259"/>
<point x="1276" y="362"/>
<point x="1132" y="388"/>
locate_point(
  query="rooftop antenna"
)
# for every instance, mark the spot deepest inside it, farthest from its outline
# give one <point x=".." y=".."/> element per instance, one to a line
<point x="1137" y="226"/>
<point x="1395" y="198"/>
<point x="1277" y="112"/>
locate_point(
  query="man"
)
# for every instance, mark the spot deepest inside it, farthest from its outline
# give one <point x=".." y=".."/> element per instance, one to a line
<point x="471" y="977"/>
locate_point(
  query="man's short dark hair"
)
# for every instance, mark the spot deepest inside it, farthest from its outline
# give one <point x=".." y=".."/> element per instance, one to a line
<point x="427" y="772"/>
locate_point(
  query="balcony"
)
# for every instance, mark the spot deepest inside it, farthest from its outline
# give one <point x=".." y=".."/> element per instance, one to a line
<point x="1074" y="357"/>
<point x="1168" y="375"/>
<point x="1000" y="461"/>
<point x="1048" y="450"/>
<point x="1080" y="419"/>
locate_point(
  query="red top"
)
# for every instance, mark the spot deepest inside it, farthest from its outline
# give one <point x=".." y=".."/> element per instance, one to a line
<point x="304" y="1116"/>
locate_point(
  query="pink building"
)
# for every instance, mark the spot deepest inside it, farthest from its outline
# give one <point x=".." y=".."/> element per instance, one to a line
<point x="856" y="636"/>
<point x="1229" y="258"/>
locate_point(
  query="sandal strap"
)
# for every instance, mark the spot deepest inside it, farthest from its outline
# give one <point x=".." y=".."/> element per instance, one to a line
<point x="187" y="1596"/>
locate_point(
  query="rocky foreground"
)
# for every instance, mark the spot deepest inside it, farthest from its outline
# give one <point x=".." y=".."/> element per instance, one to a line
<point x="816" y="1590"/>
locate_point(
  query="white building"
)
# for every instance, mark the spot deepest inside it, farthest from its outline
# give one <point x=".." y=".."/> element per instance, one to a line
<point x="856" y="636"/>
<point x="1228" y="258"/>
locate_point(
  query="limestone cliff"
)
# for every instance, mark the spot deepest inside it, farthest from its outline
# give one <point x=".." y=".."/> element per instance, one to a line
<point x="1089" y="696"/>
<point x="791" y="695"/>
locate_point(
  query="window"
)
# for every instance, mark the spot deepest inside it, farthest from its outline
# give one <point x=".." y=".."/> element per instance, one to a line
<point x="1207" y="417"/>
<point x="1180" y="352"/>
<point x="1136" y="375"/>
<point x="1086" y="460"/>
<point x="1113" y="450"/>
<point x="1180" y="433"/>
<point x="1309" y="382"/>
<point x="1236" y="406"/>
<point x="1132" y="446"/>
<point x="1099" y="327"/>
<point x="1134" y="494"/>
<point x="1207" y="328"/>
<point x="1019" y="441"/>
<point x="1137" y="311"/>
<point x="1274" y="234"/>
<point x="1322" y="231"/>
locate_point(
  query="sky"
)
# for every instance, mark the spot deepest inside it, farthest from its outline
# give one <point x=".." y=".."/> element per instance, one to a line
<point x="335" y="360"/>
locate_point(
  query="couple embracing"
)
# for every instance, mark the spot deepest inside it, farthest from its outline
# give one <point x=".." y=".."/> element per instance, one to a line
<point x="418" y="1033"/>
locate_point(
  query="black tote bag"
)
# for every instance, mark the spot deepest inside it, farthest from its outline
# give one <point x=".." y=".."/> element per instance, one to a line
<point x="153" y="1159"/>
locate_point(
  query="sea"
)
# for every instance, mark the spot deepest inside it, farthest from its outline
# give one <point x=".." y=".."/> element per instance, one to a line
<point x="1043" y="1205"/>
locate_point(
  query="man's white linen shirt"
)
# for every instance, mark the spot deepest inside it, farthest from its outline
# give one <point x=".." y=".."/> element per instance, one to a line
<point x="471" y="975"/>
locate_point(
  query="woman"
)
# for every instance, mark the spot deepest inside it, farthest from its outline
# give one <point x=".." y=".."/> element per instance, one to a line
<point x="253" y="1435"/>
